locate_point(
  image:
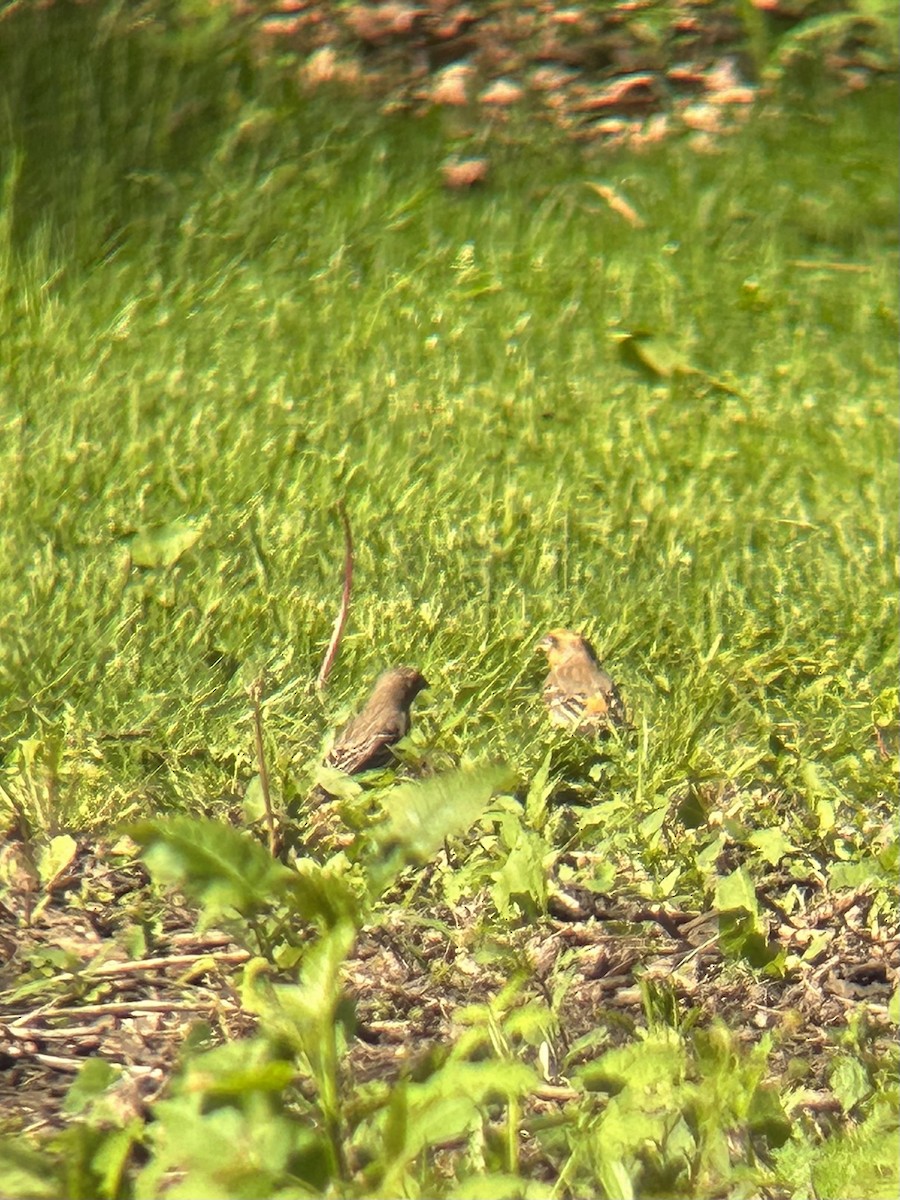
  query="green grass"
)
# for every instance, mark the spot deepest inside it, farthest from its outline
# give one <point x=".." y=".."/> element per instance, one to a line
<point x="307" y="316"/>
<point x="226" y="322"/>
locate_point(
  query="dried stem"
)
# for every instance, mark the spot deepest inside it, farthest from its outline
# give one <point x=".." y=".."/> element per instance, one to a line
<point x="341" y="619"/>
<point x="115" y="1008"/>
<point x="169" y="960"/>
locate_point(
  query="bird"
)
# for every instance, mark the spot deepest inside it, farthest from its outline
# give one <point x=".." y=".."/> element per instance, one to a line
<point x="366" y="740"/>
<point x="578" y="693"/>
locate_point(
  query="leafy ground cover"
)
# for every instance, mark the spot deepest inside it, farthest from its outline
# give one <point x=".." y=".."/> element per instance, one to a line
<point x="518" y="965"/>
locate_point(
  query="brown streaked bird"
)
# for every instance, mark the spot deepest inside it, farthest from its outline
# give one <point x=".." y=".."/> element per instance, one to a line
<point x="578" y="693"/>
<point x="365" y="741"/>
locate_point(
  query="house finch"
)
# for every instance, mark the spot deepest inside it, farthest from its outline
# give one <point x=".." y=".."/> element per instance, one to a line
<point x="366" y="740"/>
<point x="578" y="693"/>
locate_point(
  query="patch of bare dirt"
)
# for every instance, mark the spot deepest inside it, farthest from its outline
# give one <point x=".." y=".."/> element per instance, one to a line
<point x="100" y="967"/>
<point x="633" y="72"/>
<point x="72" y="987"/>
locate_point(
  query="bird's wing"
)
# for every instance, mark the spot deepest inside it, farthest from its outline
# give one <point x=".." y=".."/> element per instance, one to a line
<point x="582" y="693"/>
<point x="565" y="706"/>
<point x="365" y="742"/>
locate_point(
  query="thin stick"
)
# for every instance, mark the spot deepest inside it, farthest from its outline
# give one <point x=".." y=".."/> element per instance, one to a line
<point x="58" y="1063"/>
<point x="213" y="938"/>
<point x="807" y="264"/>
<point x="169" y="960"/>
<point x="116" y="1008"/>
<point x="255" y="696"/>
<point x="31" y="1033"/>
<point x="341" y="619"/>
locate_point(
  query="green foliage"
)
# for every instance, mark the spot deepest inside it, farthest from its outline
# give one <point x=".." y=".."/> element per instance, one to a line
<point x="742" y="932"/>
<point x="679" y="1108"/>
<point x="861" y="1160"/>
<point x="26" y="1173"/>
<point x="421" y="816"/>
<point x="222" y="868"/>
<point x="225" y="1132"/>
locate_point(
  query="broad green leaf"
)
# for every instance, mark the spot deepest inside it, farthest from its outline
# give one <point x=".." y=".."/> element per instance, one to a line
<point x="265" y="1077"/>
<point x="316" y="892"/>
<point x="483" y="1082"/>
<point x="91" y="1081"/>
<point x="422" y="815"/>
<point x="772" y="844"/>
<point x="163" y="545"/>
<point x="668" y="883"/>
<point x="771" y="956"/>
<point x="653" y="823"/>
<point x="539" y="793"/>
<point x="736" y="928"/>
<point x="659" y="1058"/>
<point x="55" y="857"/>
<point x="304" y="1013"/>
<point x="532" y="1024"/>
<point x="236" y="1068"/>
<point x="615" y="1179"/>
<point x="231" y="1152"/>
<point x="766" y="1116"/>
<point x="224" y="1129"/>
<point x="522" y="880"/>
<point x="849" y="1081"/>
<point x="112" y="1159"/>
<point x="736" y="892"/>
<point x="865" y="871"/>
<point x="337" y="783"/>
<point x="642" y="1120"/>
<point x="254" y="805"/>
<point x="818" y="943"/>
<point x="321" y="973"/>
<point x="826" y="814"/>
<point x="709" y="854"/>
<point x="742" y="936"/>
<point x="435" y="1120"/>
<point x="449" y="1105"/>
<point x="218" y="866"/>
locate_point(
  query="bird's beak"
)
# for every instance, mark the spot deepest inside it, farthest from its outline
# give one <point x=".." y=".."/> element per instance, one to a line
<point x="544" y="646"/>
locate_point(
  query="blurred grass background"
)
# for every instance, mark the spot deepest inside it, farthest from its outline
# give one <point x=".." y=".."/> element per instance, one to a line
<point x="228" y="304"/>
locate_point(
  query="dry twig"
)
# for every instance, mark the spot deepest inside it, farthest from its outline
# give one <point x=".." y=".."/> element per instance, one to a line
<point x="343" y="612"/>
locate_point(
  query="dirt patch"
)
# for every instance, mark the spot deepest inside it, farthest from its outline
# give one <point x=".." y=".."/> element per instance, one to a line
<point x="633" y="72"/>
<point x="103" y="967"/>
